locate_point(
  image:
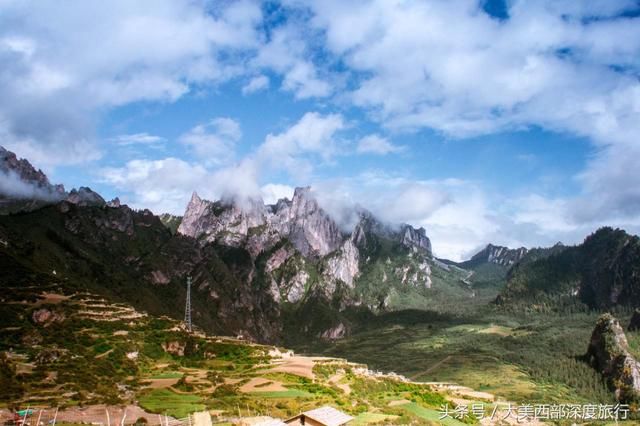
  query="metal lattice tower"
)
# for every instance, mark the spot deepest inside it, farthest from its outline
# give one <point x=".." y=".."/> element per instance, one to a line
<point x="187" y="309"/>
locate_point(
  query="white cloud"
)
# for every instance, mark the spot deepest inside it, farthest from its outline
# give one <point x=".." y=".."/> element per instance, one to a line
<point x="138" y="139"/>
<point x="313" y="136"/>
<point x="256" y="84"/>
<point x="165" y="185"/>
<point x="287" y="54"/>
<point x="12" y="186"/>
<point x="214" y="142"/>
<point x="272" y="192"/>
<point x="63" y="66"/>
<point x="569" y="67"/>
<point x="375" y="144"/>
<point x="456" y="214"/>
<point x="159" y="185"/>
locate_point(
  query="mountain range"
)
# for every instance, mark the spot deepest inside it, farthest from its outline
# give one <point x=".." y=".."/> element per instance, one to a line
<point x="255" y="267"/>
<point x="266" y="271"/>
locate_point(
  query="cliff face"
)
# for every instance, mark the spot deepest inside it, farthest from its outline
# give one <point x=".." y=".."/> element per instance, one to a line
<point x="608" y="352"/>
<point x="252" y="224"/>
<point x="305" y="249"/>
<point x="23" y="188"/>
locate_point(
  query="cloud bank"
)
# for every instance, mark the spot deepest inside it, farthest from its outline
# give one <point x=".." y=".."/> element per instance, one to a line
<point x="444" y="67"/>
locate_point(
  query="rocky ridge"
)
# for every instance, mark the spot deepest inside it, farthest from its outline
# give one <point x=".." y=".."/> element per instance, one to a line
<point x="23" y="188"/>
<point x="300" y="241"/>
<point x="35" y="183"/>
<point x="498" y="255"/>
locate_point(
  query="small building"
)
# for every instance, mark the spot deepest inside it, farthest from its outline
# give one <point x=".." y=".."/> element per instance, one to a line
<point x="324" y="416"/>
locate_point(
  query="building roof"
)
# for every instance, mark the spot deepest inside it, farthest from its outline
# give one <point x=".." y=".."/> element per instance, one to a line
<point x="328" y="416"/>
<point x="262" y="421"/>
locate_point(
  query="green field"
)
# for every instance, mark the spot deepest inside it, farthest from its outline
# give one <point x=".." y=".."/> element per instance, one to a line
<point x="290" y="393"/>
<point x="167" y="402"/>
<point x="430" y="414"/>
<point x="518" y="356"/>
<point x="371" y="418"/>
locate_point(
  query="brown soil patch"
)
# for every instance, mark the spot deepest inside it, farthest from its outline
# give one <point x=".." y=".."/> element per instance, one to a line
<point x="398" y="402"/>
<point x="335" y="380"/>
<point x="51" y="299"/>
<point x="260" y="384"/>
<point x="160" y="383"/>
<point x="298" y="365"/>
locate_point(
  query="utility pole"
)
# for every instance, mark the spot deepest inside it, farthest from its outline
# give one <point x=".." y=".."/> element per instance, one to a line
<point x="187" y="309"/>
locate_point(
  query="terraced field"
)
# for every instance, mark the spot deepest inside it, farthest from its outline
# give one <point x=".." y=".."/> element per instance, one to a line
<point x="74" y="350"/>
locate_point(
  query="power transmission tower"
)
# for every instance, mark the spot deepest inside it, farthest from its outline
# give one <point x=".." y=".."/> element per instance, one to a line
<point x="187" y="309"/>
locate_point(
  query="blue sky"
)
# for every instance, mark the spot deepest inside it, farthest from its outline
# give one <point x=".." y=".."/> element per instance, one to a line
<point x="509" y="122"/>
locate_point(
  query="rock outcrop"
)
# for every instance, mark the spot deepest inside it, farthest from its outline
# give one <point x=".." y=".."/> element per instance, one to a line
<point x="249" y="223"/>
<point x="608" y="353"/>
<point x="336" y="332"/>
<point x="498" y="255"/>
<point x="45" y="317"/>
<point x="411" y="237"/>
<point x="84" y="196"/>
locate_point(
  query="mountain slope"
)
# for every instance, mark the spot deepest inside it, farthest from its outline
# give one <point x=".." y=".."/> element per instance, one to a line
<point x="602" y="272"/>
<point x="301" y="252"/>
<point x="130" y="256"/>
<point x="498" y="255"/>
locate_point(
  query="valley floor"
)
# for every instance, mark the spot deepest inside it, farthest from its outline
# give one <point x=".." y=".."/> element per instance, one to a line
<point x="76" y="351"/>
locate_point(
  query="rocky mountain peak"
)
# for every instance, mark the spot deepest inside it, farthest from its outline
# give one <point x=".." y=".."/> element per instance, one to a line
<point x="311" y="229"/>
<point x="301" y="192"/>
<point x="415" y="238"/>
<point x="249" y="222"/>
<point x="195" y="199"/>
<point x="499" y="255"/>
<point x="21" y="180"/>
<point x="84" y="196"/>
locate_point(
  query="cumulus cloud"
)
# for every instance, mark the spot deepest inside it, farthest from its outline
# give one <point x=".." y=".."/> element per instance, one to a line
<point x="568" y="67"/>
<point x="287" y="54"/>
<point x="165" y="185"/>
<point x="159" y="185"/>
<point x="296" y="150"/>
<point x="214" y="142"/>
<point x="137" y="139"/>
<point x="375" y="144"/>
<point x="256" y="84"/>
<point x="455" y="213"/>
<point x="62" y="66"/>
